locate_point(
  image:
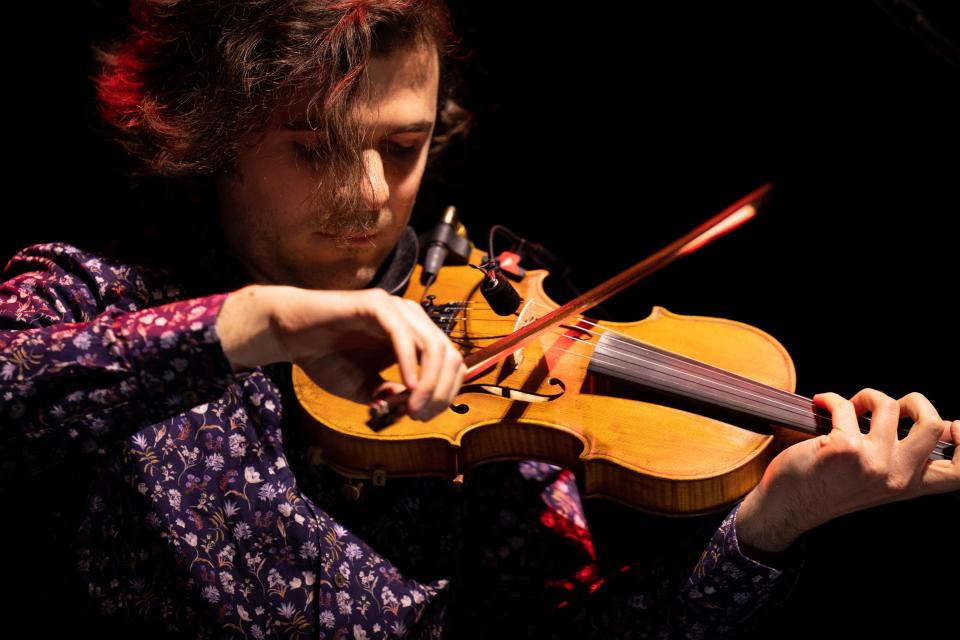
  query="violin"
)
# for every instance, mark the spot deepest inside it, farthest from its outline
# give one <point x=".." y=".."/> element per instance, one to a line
<point x="674" y="415"/>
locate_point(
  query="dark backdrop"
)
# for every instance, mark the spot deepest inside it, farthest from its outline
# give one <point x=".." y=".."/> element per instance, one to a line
<point x="607" y="130"/>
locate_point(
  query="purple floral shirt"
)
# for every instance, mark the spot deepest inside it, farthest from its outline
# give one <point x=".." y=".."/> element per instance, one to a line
<point x="147" y="483"/>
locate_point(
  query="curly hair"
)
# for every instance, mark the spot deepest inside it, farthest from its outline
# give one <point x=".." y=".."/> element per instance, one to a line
<point x="192" y="76"/>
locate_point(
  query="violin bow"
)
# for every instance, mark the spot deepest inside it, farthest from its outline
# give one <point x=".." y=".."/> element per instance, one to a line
<point x="727" y="220"/>
<point x="816" y="422"/>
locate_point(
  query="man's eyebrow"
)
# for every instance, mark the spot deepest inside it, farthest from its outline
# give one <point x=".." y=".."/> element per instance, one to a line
<point x="413" y="127"/>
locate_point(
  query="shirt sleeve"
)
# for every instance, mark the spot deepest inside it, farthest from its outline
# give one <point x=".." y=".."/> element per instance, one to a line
<point x="82" y="363"/>
<point x="720" y="597"/>
<point x="726" y="588"/>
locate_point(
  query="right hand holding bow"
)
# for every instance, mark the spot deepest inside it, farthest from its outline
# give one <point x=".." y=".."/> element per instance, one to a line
<point x="342" y="340"/>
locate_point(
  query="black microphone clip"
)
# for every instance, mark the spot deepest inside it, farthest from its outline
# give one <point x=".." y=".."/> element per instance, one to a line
<point x="497" y="290"/>
<point x="446" y="243"/>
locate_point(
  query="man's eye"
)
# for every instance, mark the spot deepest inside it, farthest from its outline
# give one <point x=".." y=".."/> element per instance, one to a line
<point x="312" y="154"/>
<point x="400" y="150"/>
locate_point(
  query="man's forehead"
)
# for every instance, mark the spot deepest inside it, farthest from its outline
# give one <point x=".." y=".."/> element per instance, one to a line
<point x="402" y="95"/>
<point x="412" y="68"/>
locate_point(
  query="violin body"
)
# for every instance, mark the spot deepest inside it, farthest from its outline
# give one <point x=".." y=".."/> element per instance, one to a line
<point x="548" y="404"/>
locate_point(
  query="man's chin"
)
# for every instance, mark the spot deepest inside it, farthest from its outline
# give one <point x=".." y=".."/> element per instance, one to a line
<point x="357" y="278"/>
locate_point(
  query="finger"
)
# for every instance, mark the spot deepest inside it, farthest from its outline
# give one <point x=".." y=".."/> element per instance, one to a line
<point x="927" y="427"/>
<point x="842" y="412"/>
<point x="884" y="415"/>
<point x="432" y="345"/>
<point x="955" y="438"/>
<point x="947" y="436"/>
<point x="941" y="476"/>
<point x="449" y="385"/>
<point x="373" y="387"/>
<point x="387" y="388"/>
<point x="452" y="370"/>
<point x="404" y="343"/>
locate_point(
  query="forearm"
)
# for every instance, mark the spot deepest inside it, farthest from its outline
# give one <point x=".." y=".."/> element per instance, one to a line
<point x="246" y="325"/>
<point x="74" y="386"/>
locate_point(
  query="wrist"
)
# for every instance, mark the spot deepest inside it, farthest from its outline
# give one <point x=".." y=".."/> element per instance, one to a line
<point x="764" y="529"/>
<point x="246" y="326"/>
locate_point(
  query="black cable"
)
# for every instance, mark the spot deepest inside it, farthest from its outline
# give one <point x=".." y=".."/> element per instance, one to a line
<point x="537" y="253"/>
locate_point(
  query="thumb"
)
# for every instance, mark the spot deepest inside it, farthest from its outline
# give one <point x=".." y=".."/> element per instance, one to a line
<point x="949" y="425"/>
<point x="940" y="476"/>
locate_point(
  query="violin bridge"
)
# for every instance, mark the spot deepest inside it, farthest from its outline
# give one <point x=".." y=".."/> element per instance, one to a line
<point x="525" y="317"/>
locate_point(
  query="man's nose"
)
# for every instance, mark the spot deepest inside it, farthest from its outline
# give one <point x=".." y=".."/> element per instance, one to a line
<point x="375" y="189"/>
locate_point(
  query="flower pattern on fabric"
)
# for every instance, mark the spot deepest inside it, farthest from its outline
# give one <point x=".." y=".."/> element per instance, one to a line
<point x="193" y="522"/>
<point x="191" y="511"/>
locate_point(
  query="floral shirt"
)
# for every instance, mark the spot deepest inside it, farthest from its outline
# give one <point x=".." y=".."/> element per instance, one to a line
<point x="149" y="486"/>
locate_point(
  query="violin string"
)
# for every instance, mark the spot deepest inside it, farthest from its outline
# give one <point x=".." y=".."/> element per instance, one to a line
<point x="795" y="404"/>
<point x="938" y="450"/>
<point x="765" y="395"/>
<point x="465" y="319"/>
<point x="795" y="408"/>
<point x="792" y="399"/>
<point x="631" y="359"/>
<point x="902" y="432"/>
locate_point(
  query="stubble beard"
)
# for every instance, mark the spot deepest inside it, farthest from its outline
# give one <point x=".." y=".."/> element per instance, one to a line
<point x="348" y="224"/>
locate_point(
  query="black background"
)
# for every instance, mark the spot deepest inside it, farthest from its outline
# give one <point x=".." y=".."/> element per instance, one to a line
<point x="607" y="130"/>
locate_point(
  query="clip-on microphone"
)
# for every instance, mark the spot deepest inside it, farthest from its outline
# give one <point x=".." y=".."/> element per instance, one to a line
<point x="444" y="243"/>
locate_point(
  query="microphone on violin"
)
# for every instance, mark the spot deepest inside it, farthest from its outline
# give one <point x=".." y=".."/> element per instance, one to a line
<point x="446" y="240"/>
<point x="497" y="291"/>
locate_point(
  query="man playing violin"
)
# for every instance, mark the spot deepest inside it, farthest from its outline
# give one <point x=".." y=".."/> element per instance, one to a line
<point x="312" y="125"/>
